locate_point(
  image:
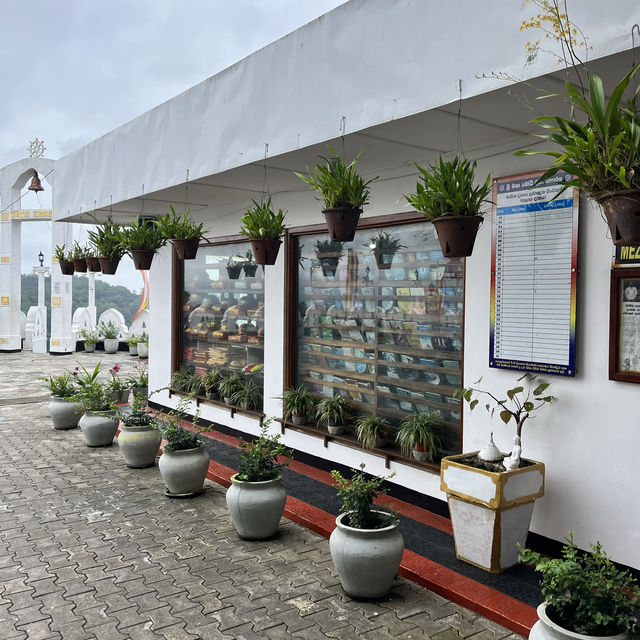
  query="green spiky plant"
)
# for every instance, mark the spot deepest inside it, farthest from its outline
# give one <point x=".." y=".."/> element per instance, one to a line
<point x="297" y="401"/>
<point x="107" y="240"/>
<point x="333" y="410"/>
<point x="62" y="254"/>
<point x="174" y="225"/>
<point x="371" y="430"/>
<point x="260" y="222"/>
<point x="142" y="235"/>
<point x="248" y="395"/>
<point x="421" y="429"/>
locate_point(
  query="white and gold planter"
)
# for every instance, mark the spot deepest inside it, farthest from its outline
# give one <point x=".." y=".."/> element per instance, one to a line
<point x="490" y="511"/>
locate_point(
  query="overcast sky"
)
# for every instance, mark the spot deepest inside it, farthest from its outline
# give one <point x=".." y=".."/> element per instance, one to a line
<point x="73" y="70"/>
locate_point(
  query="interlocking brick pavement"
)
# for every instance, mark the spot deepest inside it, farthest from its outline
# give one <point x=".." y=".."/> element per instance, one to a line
<point x="92" y="550"/>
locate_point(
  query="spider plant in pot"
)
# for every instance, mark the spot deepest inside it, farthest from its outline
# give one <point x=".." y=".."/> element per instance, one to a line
<point x="333" y="411"/>
<point x="79" y="258"/>
<point x="107" y="240"/>
<point x="183" y="232"/>
<point x="371" y="431"/>
<point x="181" y="380"/>
<point x="65" y="260"/>
<point x="98" y="422"/>
<point x="210" y="381"/>
<point x="264" y="228"/>
<point x="343" y="193"/>
<point x="248" y="396"/>
<point x="297" y="403"/>
<point x="384" y="246"/>
<point x="600" y="152"/>
<point x="256" y="497"/>
<point x="421" y="435"/>
<point x="366" y="546"/>
<point x="586" y="595"/>
<point x="139" y="437"/>
<point x="249" y="265"/>
<point x="63" y="389"/>
<point x="234" y="269"/>
<point x="142" y="239"/>
<point x="110" y="335"/>
<point x="449" y="197"/>
<point x="229" y="385"/>
<point x="329" y="253"/>
<point x="91" y="338"/>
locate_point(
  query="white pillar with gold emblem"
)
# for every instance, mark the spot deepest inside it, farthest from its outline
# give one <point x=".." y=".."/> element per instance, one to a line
<point x="61" y="312"/>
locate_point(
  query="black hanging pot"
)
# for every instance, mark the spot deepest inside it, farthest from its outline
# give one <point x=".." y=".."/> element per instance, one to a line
<point x="329" y="266"/>
<point x="109" y="266"/>
<point x="249" y="270"/>
<point x="622" y="210"/>
<point x="93" y="264"/>
<point x="457" y="234"/>
<point x="186" y="248"/>
<point x="342" y="222"/>
<point x="265" y="251"/>
<point x="142" y="258"/>
<point x="234" y="271"/>
<point x="66" y="267"/>
<point x="80" y="265"/>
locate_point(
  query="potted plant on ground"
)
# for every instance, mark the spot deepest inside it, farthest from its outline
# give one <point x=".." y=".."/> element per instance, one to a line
<point x="342" y="191"/>
<point x="210" y="381"/>
<point x="229" y="385"/>
<point x="333" y="411"/>
<point x="110" y="335"/>
<point x="265" y="229"/>
<point x="329" y="253"/>
<point x="62" y="409"/>
<point x="585" y="594"/>
<point x="421" y="435"/>
<point x="119" y="387"/>
<point x="65" y="260"/>
<point x="143" y="345"/>
<point x="132" y="343"/>
<point x="184" y="461"/>
<point x="449" y="197"/>
<point x="183" y="232"/>
<point x="601" y="153"/>
<point x="248" y="396"/>
<point x="256" y="497"/>
<point x="384" y="246"/>
<point x="139" y="437"/>
<point x="79" y="258"/>
<point x="142" y="239"/>
<point x="371" y="431"/>
<point x="139" y="380"/>
<point x="107" y="240"/>
<point x="366" y="546"/>
<point x="99" y="422"/>
<point x="297" y="403"/>
<point x="482" y="485"/>
<point x="90" y="337"/>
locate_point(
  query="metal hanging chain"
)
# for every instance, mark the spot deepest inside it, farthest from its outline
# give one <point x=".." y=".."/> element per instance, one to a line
<point x="265" y="181"/>
<point x="142" y="203"/>
<point x="635" y="28"/>
<point x="343" y="130"/>
<point x="458" y="142"/>
<point x="186" y="191"/>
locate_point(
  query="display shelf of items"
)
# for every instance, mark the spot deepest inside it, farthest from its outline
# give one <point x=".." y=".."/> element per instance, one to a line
<point x="232" y="409"/>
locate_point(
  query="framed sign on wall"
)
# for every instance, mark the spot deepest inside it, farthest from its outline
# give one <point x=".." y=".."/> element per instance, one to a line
<point x="624" y="325"/>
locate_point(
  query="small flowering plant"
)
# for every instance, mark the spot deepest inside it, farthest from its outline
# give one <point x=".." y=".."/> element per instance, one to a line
<point x="83" y="377"/>
<point x="140" y="376"/>
<point x="62" y="386"/>
<point x="116" y="383"/>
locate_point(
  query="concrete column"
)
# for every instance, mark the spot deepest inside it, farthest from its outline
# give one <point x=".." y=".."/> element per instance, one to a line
<point x="91" y="300"/>
<point x="10" y="283"/>
<point x="39" y="344"/>
<point x="61" y="339"/>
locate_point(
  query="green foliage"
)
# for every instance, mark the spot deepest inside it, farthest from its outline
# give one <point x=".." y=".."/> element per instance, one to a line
<point x="95" y="397"/>
<point x="107" y="240"/>
<point x="61" y="386"/>
<point x="79" y="251"/>
<point x="421" y="428"/>
<point x="108" y="330"/>
<point x="447" y="189"/>
<point x="141" y="235"/>
<point x="84" y="377"/>
<point x="90" y="336"/>
<point x="585" y="592"/>
<point x="370" y="430"/>
<point x="298" y="401"/>
<point x="260" y="221"/>
<point x="139" y="415"/>
<point x="331" y="248"/>
<point x="181" y="379"/>
<point x="132" y="340"/>
<point x="333" y="410"/>
<point x="248" y="396"/>
<point x="230" y="384"/>
<point x="358" y="494"/>
<point x="177" y="437"/>
<point x="259" y="460"/>
<point x="143" y="338"/>
<point x="173" y="225"/>
<point x="338" y="183"/>
<point x="62" y="254"/>
<point x="211" y="379"/>
<point x="384" y="242"/>
<point x="140" y="375"/>
<point x="603" y="153"/>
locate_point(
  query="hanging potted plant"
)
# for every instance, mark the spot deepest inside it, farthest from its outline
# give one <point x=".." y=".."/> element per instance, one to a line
<point x="142" y="239"/>
<point x="421" y="435"/>
<point x="65" y="260"/>
<point x="298" y="403"/>
<point x="371" y="431"/>
<point x="107" y="240"/>
<point x="140" y="437"/>
<point x="229" y="385"/>
<point x="62" y="409"/>
<point x="93" y="262"/>
<point x="265" y="229"/>
<point x="79" y="258"/>
<point x="248" y="264"/>
<point x="183" y="232"/>
<point x="333" y="411"/>
<point x="449" y="197"/>
<point x="601" y="152"/>
<point x="110" y="335"/>
<point x="91" y="338"/>
<point x="342" y="191"/>
<point x="98" y="422"/>
<point x="329" y="253"/>
<point x="256" y="497"/>
<point x="482" y="485"/>
<point x="366" y="546"/>
<point x="248" y="396"/>
<point x="586" y="595"/>
<point x="384" y="246"/>
<point x="234" y="269"/>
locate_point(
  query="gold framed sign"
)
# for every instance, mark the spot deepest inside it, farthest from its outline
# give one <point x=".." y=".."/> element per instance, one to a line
<point x="624" y="325"/>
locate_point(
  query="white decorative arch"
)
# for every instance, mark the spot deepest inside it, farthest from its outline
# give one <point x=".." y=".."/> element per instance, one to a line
<point x="36" y="330"/>
<point x="141" y="323"/>
<point x="82" y="319"/>
<point x="113" y="315"/>
<point x="23" y="324"/>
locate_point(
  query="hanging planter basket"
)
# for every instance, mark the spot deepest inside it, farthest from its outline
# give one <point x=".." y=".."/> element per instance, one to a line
<point x="265" y="251"/>
<point x="142" y="258"/>
<point x="186" y="248"/>
<point x="249" y="270"/>
<point x="109" y="265"/>
<point x="93" y="264"/>
<point x="457" y="234"/>
<point x="80" y="265"/>
<point x="66" y="267"/>
<point x="622" y="210"/>
<point x="234" y="271"/>
<point x="342" y="222"/>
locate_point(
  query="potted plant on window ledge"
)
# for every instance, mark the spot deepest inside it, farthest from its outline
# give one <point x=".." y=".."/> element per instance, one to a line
<point x="248" y="396"/>
<point x="65" y="260"/>
<point x="343" y="192"/>
<point x="142" y="239"/>
<point x="384" y="246"/>
<point x="229" y="385"/>
<point x="371" y="431"/>
<point x="107" y="240"/>
<point x="449" y="197"/>
<point x="421" y="435"/>
<point x="182" y="231"/>
<point x="264" y="228"/>
<point x="298" y="403"/>
<point x="333" y="411"/>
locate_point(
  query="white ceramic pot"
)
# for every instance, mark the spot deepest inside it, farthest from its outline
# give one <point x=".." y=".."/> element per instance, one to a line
<point x="64" y="414"/>
<point x="99" y="429"/>
<point x="90" y="348"/>
<point x="256" y="507"/>
<point x="184" y="471"/>
<point x="546" y="629"/>
<point x="299" y="418"/>
<point x="335" y="429"/>
<point x="133" y="349"/>
<point x="420" y="455"/>
<point x="143" y="350"/>
<point x="111" y="345"/>
<point x="139" y="445"/>
<point x="367" y="560"/>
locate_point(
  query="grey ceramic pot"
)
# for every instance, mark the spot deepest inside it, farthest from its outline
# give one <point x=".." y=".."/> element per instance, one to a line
<point x="546" y="629"/>
<point x="99" y="429"/>
<point x="64" y="414"/>
<point x="111" y="345"/>
<point x="143" y="350"/>
<point x="139" y="445"/>
<point x="90" y="348"/>
<point x="133" y="349"/>
<point x="184" y="471"/>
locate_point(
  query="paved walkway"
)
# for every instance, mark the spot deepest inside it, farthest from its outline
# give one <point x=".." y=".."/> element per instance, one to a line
<point x="91" y="549"/>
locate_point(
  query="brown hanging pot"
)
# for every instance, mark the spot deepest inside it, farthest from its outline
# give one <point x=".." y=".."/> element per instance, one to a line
<point x="186" y="248"/>
<point x="622" y="210"/>
<point x="142" y="258"/>
<point x="93" y="264"/>
<point x="109" y="266"/>
<point x="66" y="267"/>
<point x="342" y="222"/>
<point x="265" y="251"/>
<point x="457" y="234"/>
<point x="80" y="265"/>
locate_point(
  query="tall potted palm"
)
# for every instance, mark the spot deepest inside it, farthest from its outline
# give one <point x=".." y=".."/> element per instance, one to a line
<point x="265" y="229"/>
<point x="182" y="231"/>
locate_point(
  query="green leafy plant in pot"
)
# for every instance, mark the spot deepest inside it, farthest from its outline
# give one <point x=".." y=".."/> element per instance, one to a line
<point x="371" y="431"/>
<point x="142" y="239"/>
<point x="366" y="545"/>
<point x="210" y="382"/>
<point x="99" y="422"/>
<point x="343" y="192"/>
<point x="333" y="411"/>
<point x="248" y="396"/>
<point x="111" y="336"/>
<point x="234" y="269"/>
<point x="63" y="389"/>
<point x="79" y="258"/>
<point x="421" y="435"/>
<point x="265" y="229"/>
<point x="298" y="403"/>
<point x="585" y="594"/>
<point x="139" y="437"/>
<point x="107" y="240"/>
<point x="249" y="265"/>
<point x="449" y="197"/>
<point x="183" y="232"/>
<point x="91" y="257"/>
<point x="65" y="260"/>
<point x="329" y="253"/>
<point x="91" y="338"/>
<point x="384" y="246"/>
<point x="229" y="385"/>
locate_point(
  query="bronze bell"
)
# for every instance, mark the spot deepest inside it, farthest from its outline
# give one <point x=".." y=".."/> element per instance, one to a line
<point x="35" y="183"/>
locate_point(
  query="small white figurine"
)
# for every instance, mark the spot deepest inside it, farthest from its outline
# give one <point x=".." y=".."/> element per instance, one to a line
<point x="512" y="461"/>
<point x="490" y="453"/>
